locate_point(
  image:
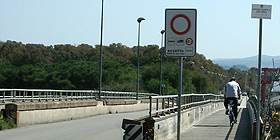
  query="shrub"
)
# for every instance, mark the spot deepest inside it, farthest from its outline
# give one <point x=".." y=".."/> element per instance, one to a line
<point x="7" y="123"/>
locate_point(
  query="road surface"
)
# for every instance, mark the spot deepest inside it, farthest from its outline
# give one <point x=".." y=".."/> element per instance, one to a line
<point x="102" y="127"/>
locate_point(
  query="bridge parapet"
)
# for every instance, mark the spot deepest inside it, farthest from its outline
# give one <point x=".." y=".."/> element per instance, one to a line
<point x="252" y="107"/>
<point x="169" y="104"/>
<point x="29" y="113"/>
<point x="162" y="122"/>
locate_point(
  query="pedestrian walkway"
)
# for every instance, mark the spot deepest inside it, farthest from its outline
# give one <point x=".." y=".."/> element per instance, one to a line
<point x="216" y="127"/>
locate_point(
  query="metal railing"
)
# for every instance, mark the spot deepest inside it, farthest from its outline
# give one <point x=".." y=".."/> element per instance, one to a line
<point x="253" y="109"/>
<point x="169" y="103"/>
<point x="31" y="95"/>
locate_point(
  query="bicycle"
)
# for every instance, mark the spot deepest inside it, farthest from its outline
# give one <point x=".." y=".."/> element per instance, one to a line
<point x="230" y="113"/>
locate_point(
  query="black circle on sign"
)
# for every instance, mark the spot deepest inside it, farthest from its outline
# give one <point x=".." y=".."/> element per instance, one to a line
<point x="172" y="24"/>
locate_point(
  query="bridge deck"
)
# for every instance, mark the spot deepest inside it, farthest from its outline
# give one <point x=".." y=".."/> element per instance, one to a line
<point x="216" y="127"/>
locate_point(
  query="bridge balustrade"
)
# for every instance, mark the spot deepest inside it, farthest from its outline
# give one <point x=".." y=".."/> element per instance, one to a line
<point x="169" y="103"/>
<point x="30" y="95"/>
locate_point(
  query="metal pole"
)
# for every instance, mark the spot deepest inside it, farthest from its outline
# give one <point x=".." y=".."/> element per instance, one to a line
<point x="259" y="81"/>
<point x="32" y="95"/>
<point x="179" y="97"/>
<point x="3" y="97"/>
<point x="150" y="111"/>
<point x="191" y="82"/>
<point x="200" y="87"/>
<point x="245" y="82"/>
<point x="160" y="87"/>
<point x="100" y="53"/>
<point x="138" y="59"/>
<point x="191" y="77"/>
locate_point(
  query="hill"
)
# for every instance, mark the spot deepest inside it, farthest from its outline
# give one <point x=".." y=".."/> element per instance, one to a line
<point x="248" y="62"/>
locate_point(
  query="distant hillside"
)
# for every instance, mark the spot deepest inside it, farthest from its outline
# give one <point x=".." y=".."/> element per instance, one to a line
<point x="248" y="62"/>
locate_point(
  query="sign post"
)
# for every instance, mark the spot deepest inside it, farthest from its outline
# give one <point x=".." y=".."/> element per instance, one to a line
<point x="180" y="41"/>
<point x="260" y="12"/>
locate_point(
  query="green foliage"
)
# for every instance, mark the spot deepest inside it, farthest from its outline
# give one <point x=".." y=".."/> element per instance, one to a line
<point x="77" y="67"/>
<point x="7" y="123"/>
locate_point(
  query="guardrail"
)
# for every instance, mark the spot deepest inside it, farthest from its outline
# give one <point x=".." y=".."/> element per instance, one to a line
<point x="39" y="95"/>
<point x="253" y="109"/>
<point x="169" y="103"/>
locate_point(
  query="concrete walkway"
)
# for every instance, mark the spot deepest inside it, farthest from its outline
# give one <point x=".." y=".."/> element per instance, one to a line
<point x="216" y="127"/>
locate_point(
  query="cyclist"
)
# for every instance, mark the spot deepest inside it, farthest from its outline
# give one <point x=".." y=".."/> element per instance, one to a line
<point x="232" y="92"/>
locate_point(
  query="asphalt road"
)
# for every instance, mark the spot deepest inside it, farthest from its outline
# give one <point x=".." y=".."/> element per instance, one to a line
<point x="102" y="127"/>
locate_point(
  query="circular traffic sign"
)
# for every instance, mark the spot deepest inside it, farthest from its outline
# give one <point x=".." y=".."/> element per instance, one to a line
<point x="189" y="41"/>
<point x="185" y="19"/>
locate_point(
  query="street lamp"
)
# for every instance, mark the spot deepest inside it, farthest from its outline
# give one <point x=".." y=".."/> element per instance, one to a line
<point x="163" y="86"/>
<point x="246" y="74"/>
<point x="162" y="32"/>
<point x="200" y="78"/>
<point x="192" y="63"/>
<point x="100" y="52"/>
<point x="137" y="84"/>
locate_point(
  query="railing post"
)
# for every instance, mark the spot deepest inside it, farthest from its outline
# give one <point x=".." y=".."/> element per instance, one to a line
<point x="66" y="96"/>
<point x="47" y="96"/>
<point x="185" y="102"/>
<point x="172" y="105"/>
<point x="71" y="96"/>
<point x="14" y="96"/>
<point x="3" y="97"/>
<point x="54" y="96"/>
<point x="39" y="97"/>
<point x="168" y="105"/>
<point x="157" y="108"/>
<point x="163" y="106"/>
<point x="32" y="94"/>
<point x="23" y="100"/>
<point x="60" y="96"/>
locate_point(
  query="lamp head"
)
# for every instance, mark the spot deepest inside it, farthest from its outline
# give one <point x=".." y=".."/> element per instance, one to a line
<point x="192" y="63"/>
<point x="162" y="31"/>
<point x="140" y="19"/>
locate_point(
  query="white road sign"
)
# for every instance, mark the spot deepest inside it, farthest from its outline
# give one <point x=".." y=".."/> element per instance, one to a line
<point x="180" y="32"/>
<point x="261" y="11"/>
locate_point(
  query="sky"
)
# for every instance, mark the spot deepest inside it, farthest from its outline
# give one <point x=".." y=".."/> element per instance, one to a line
<point x="225" y="28"/>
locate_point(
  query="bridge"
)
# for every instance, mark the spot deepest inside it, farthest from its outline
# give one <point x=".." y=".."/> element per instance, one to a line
<point x="202" y="115"/>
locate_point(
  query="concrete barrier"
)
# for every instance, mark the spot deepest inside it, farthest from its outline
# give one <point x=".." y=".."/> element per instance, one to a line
<point x="47" y="112"/>
<point x="166" y="126"/>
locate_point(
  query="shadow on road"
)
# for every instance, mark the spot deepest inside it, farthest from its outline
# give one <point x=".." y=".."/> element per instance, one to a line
<point x="229" y="131"/>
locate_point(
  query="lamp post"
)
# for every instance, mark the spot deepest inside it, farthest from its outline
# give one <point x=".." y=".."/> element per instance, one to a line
<point x="162" y="32"/>
<point x="200" y="78"/>
<point x="246" y="74"/>
<point x="163" y="86"/>
<point x="192" y="63"/>
<point x="137" y="84"/>
<point x="100" y="52"/>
